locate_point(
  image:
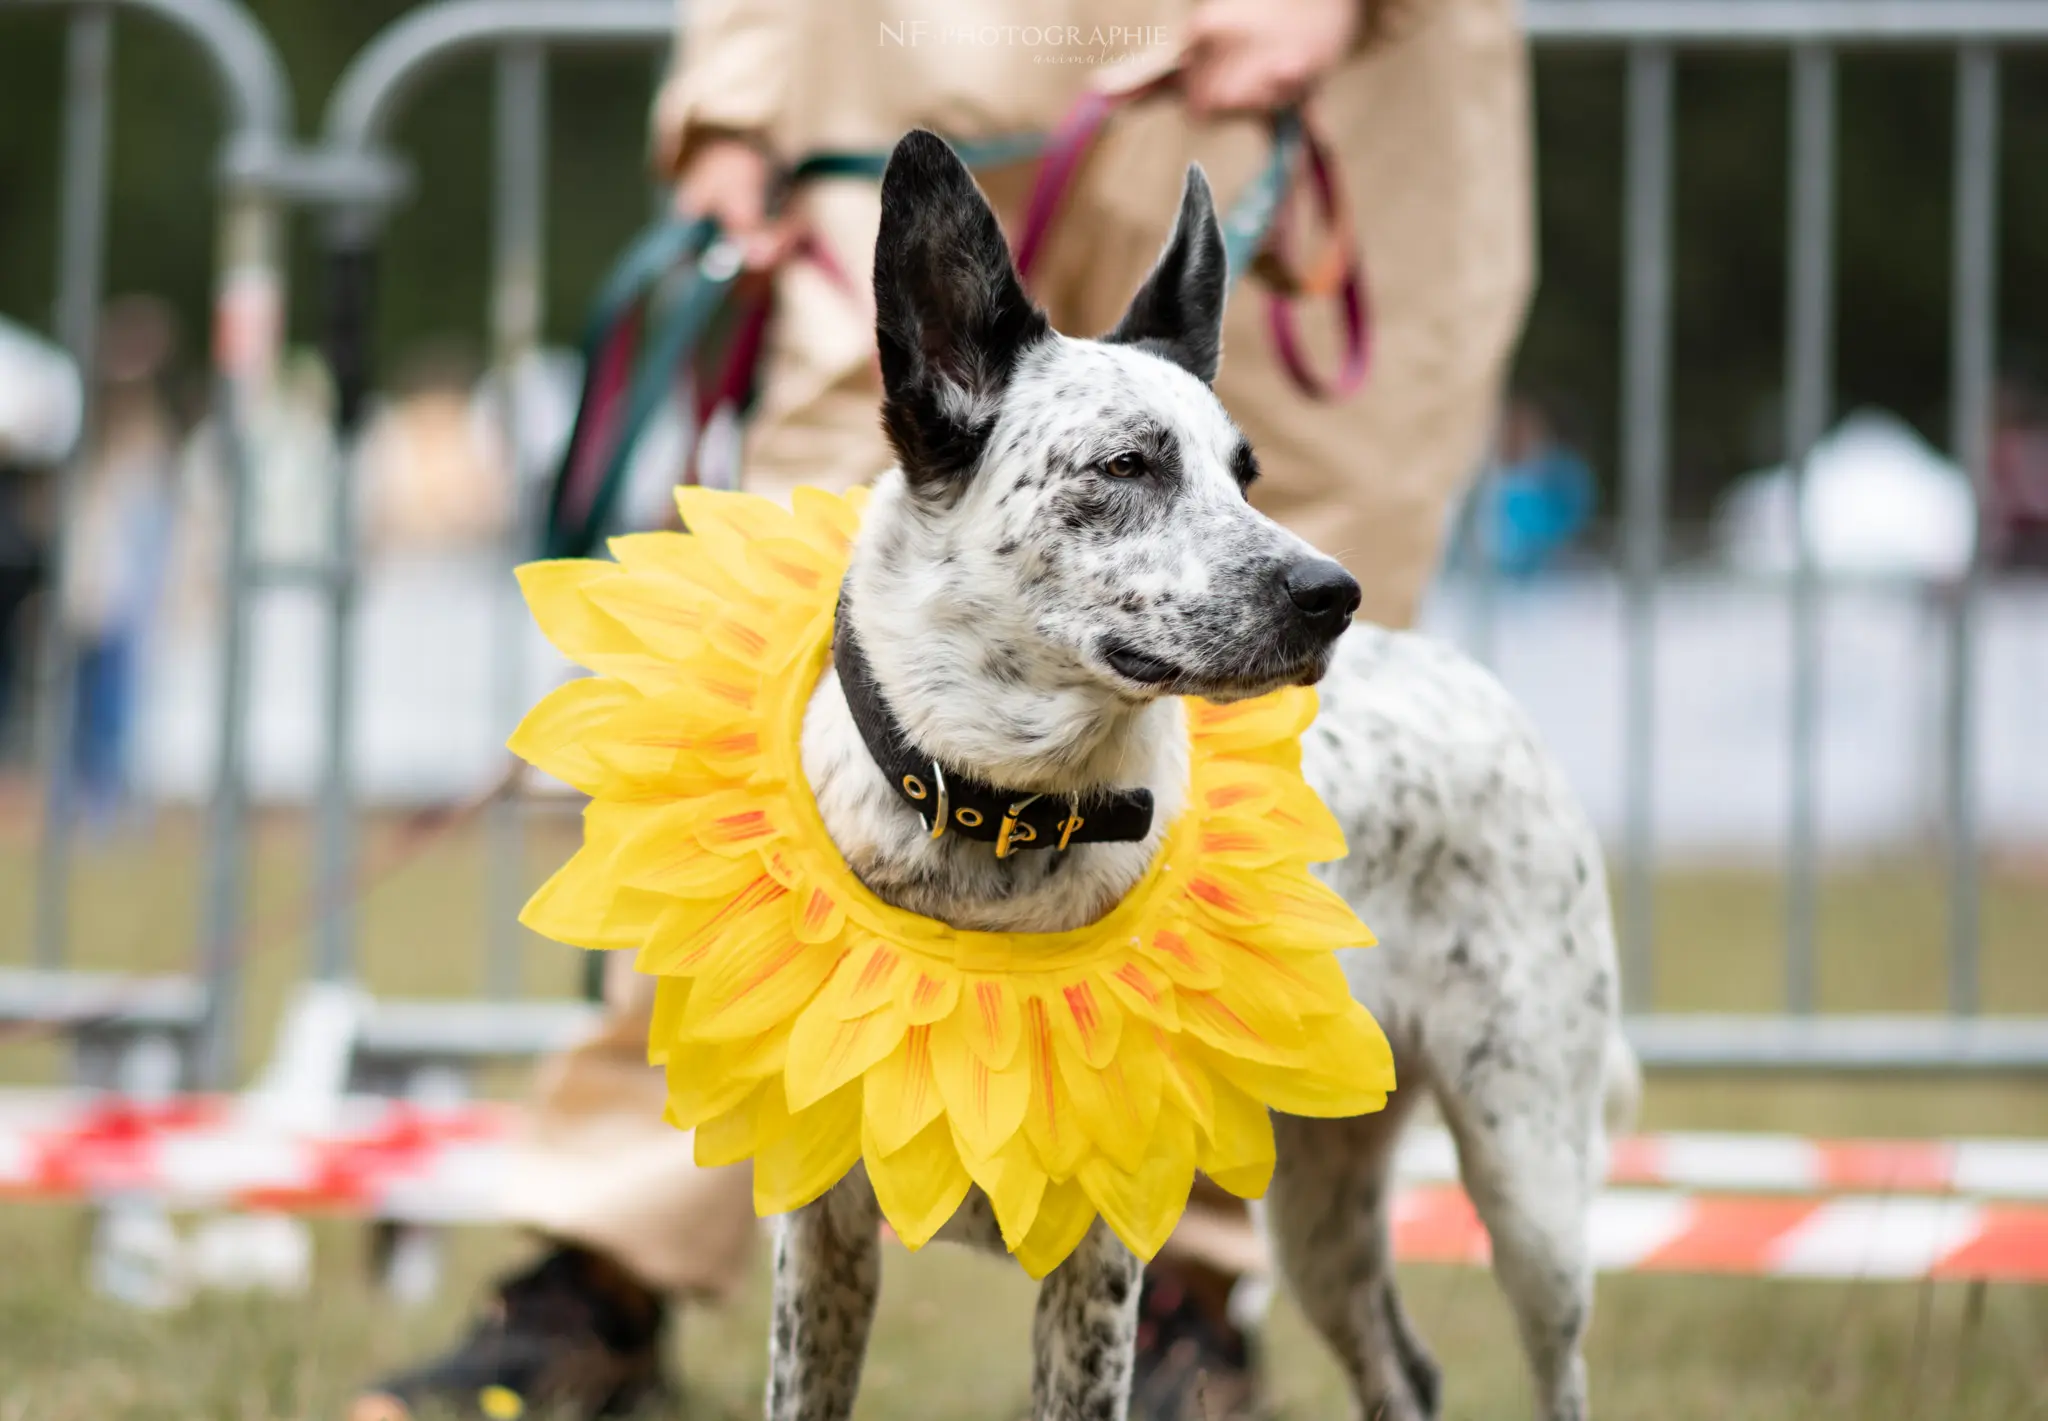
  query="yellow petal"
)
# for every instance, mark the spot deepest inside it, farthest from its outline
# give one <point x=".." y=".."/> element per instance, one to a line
<point x="1345" y="1068"/>
<point x="667" y="556"/>
<point x="1050" y="1120"/>
<point x="796" y="567"/>
<point x="986" y="1105"/>
<point x="748" y="516"/>
<point x="992" y="1020"/>
<point x="1279" y="718"/>
<point x="1228" y="897"/>
<point x="1240" y="1025"/>
<point x="1242" y="842"/>
<point x="1187" y="1078"/>
<point x="899" y="1095"/>
<point x="1173" y="950"/>
<point x="1313" y="831"/>
<point x="665" y="1028"/>
<point x="699" y="1088"/>
<point x="1064" y="1214"/>
<point x="1237" y="1150"/>
<point x="827" y="522"/>
<point x="688" y="745"/>
<point x="825" y="1052"/>
<point x="820" y="915"/>
<point x="557" y="596"/>
<point x="584" y="906"/>
<point x="1013" y="1182"/>
<point x="919" y="1186"/>
<point x="739" y="823"/>
<point x="661" y="854"/>
<point x="1089" y="1020"/>
<point x="555" y="735"/>
<point x="1141" y="1206"/>
<point x="865" y="981"/>
<point x="1145" y="990"/>
<point x="742" y="994"/>
<point x="1233" y="787"/>
<point x="694" y="933"/>
<point x="1117" y="1103"/>
<point x="737" y="1134"/>
<point x="663" y="616"/>
<point x="927" y="993"/>
<point x="821" y="1144"/>
<point x="1306" y="909"/>
<point x="1297" y="984"/>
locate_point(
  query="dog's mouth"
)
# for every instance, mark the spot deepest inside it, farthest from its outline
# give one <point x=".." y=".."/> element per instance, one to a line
<point x="1134" y="665"/>
<point x="1163" y="677"/>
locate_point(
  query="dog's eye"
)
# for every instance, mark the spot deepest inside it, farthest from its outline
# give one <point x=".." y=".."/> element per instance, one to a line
<point x="1127" y="465"/>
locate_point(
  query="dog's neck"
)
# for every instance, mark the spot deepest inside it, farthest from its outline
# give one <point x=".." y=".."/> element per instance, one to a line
<point x="971" y="682"/>
<point x="1024" y="722"/>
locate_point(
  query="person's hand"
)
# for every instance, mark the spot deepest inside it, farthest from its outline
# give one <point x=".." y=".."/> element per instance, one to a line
<point x="727" y="179"/>
<point x="1254" y="56"/>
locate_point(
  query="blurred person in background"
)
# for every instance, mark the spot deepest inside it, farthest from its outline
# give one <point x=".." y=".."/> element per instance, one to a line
<point x="41" y="403"/>
<point x="433" y="475"/>
<point x="1539" y="497"/>
<point x="1426" y="103"/>
<point x="113" y="568"/>
<point x="2016" y="515"/>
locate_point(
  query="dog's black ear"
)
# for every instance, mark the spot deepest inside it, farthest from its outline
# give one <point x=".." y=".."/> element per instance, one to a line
<point x="951" y="316"/>
<point x="1178" y="312"/>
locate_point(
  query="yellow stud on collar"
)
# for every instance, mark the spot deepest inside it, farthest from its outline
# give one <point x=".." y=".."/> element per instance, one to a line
<point x="807" y="1025"/>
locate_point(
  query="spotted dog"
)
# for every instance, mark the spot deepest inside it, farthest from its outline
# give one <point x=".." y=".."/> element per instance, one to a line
<point x="1065" y="549"/>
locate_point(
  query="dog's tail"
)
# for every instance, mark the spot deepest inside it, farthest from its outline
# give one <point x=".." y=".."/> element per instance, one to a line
<point x="1622" y="1085"/>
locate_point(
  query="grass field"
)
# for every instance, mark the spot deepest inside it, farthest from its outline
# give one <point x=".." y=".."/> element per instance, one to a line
<point x="951" y="1338"/>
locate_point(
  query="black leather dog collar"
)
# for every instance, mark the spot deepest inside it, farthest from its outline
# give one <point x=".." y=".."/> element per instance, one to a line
<point x="953" y="802"/>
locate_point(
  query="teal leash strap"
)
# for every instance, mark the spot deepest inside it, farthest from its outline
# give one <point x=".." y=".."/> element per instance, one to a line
<point x="1249" y="220"/>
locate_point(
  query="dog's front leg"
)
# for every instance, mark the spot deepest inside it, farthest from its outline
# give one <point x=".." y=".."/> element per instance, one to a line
<point x="1082" y="1339"/>
<point x="828" y="1272"/>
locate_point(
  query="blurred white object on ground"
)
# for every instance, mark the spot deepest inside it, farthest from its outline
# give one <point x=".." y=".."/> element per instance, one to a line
<point x="1879" y="501"/>
<point x="41" y="398"/>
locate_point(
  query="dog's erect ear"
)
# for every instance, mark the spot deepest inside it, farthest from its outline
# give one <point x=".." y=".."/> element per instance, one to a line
<point x="951" y="316"/>
<point x="1178" y="312"/>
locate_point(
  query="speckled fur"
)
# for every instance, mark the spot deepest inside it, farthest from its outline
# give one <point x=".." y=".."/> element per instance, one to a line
<point x="1005" y="585"/>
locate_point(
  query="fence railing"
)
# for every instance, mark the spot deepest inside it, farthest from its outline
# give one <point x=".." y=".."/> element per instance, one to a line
<point x="355" y="177"/>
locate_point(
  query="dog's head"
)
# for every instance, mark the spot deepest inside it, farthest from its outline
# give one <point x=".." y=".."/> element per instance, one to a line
<point x="1082" y="503"/>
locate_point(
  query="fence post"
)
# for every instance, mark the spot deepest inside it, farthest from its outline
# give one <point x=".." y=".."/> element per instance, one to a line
<point x="81" y="234"/>
<point x="517" y="311"/>
<point x="248" y="329"/>
<point x="1809" y="376"/>
<point x="1973" y="354"/>
<point x="351" y="259"/>
<point x="1646" y="360"/>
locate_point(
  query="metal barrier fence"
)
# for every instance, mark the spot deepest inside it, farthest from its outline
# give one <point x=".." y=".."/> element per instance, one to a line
<point x="249" y="291"/>
<point x="260" y="174"/>
<point x="355" y="177"/>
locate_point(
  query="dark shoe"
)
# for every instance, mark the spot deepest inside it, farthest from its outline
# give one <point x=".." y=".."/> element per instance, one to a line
<point x="575" y="1336"/>
<point x="1192" y="1364"/>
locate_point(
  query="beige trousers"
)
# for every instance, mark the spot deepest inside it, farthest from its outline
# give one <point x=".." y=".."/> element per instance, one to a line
<point x="1369" y="481"/>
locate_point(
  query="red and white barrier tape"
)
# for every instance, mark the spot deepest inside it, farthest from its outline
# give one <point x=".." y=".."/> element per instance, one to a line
<point x="1861" y="1236"/>
<point x="1850" y="1209"/>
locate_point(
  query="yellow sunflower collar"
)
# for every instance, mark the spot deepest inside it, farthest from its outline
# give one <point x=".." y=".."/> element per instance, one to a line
<point x="808" y="1026"/>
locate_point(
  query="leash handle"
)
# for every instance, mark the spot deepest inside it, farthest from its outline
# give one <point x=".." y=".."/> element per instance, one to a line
<point x="1338" y="272"/>
<point x="1255" y="228"/>
<point x="651" y="310"/>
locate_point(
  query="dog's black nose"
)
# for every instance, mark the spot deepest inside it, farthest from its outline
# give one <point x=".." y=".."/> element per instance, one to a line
<point x="1324" y="591"/>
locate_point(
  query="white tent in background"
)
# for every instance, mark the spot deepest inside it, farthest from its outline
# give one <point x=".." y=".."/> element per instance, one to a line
<point x="41" y="400"/>
<point x="1879" y="501"/>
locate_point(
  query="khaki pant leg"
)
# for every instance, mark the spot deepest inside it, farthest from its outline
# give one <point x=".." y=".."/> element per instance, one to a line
<point x="599" y="1167"/>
